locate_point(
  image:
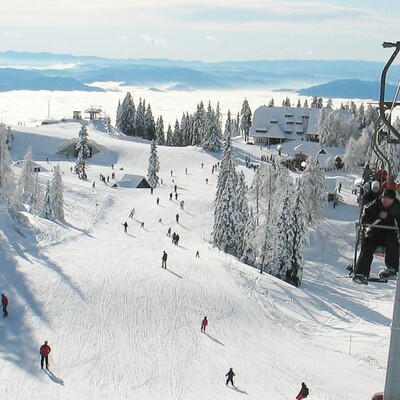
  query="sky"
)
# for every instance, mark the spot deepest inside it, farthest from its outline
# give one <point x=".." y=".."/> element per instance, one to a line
<point x="206" y="30"/>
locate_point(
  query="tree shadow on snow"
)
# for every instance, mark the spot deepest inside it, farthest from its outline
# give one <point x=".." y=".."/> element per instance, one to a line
<point x="214" y="339"/>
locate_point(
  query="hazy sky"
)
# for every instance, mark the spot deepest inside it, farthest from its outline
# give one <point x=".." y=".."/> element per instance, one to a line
<point x="207" y="30"/>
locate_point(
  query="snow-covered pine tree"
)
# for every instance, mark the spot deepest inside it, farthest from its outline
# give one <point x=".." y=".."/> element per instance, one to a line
<point x="305" y="105"/>
<point x="160" y="136"/>
<point x="329" y="105"/>
<point x="198" y="125"/>
<point x="271" y="103"/>
<point x="242" y="213"/>
<point x="320" y="102"/>
<point x="177" y="137"/>
<point x="83" y="149"/>
<point x="249" y="253"/>
<point x="228" y="126"/>
<point x="26" y="181"/>
<point x="280" y="262"/>
<point x="314" y="192"/>
<point x="7" y="178"/>
<point x="218" y="118"/>
<point x="169" y="141"/>
<point x="154" y="166"/>
<point x="245" y="120"/>
<point x="149" y="125"/>
<point x="236" y="126"/>
<point x="314" y="102"/>
<point x="140" y="118"/>
<point x="37" y="197"/>
<point x="126" y="120"/>
<point x="225" y="234"/>
<point x="56" y="195"/>
<point x="298" y="103"/>
<point x="118" y="116"/>
<point x="212" y="135"/>
<point x="46" y="210"/>
<point x="298" y="226"/>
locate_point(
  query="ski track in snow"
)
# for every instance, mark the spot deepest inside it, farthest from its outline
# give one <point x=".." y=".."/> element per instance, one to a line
<point x="123" y="328"/>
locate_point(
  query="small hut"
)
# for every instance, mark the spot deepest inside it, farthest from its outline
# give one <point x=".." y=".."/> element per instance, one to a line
<point x="132" y="182"/>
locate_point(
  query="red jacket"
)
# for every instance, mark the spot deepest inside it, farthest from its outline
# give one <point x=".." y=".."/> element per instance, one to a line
<point x="4" y="301"/>
<point x="204" y="322"/>
<point x="45" y="350"/>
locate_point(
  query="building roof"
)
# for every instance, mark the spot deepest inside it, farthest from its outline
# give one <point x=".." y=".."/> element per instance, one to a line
<point x="132" y="182"/>
<point x="69" y="146"/>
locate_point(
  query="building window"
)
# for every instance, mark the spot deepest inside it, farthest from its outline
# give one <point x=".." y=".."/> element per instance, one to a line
<point x="305" y="117"/>
<point x="299" y="123"/>
<point x="299" y="132"/>
<point x="261" y="130"/>
<point x="289" y="115"/>
<point x="290" y="123"/>
<point x="288" y="132"/>
<point x="274" y="121"/>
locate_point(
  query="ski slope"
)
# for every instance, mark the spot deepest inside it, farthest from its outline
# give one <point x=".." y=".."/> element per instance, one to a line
<point x="120" y="327"/>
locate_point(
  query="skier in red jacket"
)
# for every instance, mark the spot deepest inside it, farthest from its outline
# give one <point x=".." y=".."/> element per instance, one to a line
<point x="204" y="324"/>
<point x="44" y="353"/>
<point x="4" y="303"/>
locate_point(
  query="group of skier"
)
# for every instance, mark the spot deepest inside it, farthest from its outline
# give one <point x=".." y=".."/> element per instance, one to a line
<point x="380" y="220"/>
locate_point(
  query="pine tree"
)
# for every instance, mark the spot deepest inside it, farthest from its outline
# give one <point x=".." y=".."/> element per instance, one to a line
<point x="37" y="197"/>
<point x="46" y="210"/>
<point x="7" y="178"/>
<point x="249" y="253"/>
<point x="305" y="105"/>
<point x="126" y="118"/>
<point x="226" y="218"/>
<point x="298" y="103"/>
<point x="83" y="149"/>
<point x="160" y="136"/>
<point x="26" y="181"/>
<point x="169" y="140"/>
<point x="149" y="125"/>
<point x="154" y="166"/>
<point x="140" y="118"/>
<point x="313" y="189"/>
<point x="245" y="120"/>
<point x="56" y="194"/>
<point x="242" y="213"/>
<point x="177" y="138"/>
<point x="198" y="125"/>
<point x="271" y="103"/>
<point x="212" y="135"/>
<point x="314" y="102"/>
<point x="329" y="105"/>
<point x="118" y="116"/>
<point x="228" y="126"/>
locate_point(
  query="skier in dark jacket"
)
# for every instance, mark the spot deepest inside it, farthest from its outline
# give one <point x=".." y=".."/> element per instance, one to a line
<point x="125" y="224"/>
<point x="4" y="303"/>
<point x="164" y="260"/>
<point x="230" y="376"/>
<point x="45" y="350"/>
<point x="384" y="211"/>
<point x="304" y="392"/>
<point x="204" y="324"/>
<point x="372" y="194"/>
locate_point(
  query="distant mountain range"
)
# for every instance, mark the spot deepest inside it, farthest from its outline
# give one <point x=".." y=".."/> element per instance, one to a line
<point x="39" y="71"/>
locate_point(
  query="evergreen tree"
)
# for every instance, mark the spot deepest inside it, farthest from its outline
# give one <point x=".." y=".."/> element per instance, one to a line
<point x="212" y="135"/>
<point x="154" y="166"/>
<point x="140" y="118"/>
<point x="298" y="103"/>
<point x="118" y="116"/>
<point x="46" y="210"/>
<point x="177" y="138"/>
<point x="198" y="125"/>
<point x="186" y="127"/>
<point x="126" y="118"/>
<point x="242" y="213"/>
<point x="313" y="189"/>
<point x="329" y="105"/>
<point x="305" y="105"/>
<point x="320" y="102"/>
<point x="160" y="136"/>
<point x="314" y="102"/>
<point x="7" y="178"/>
<point x="83" y="149"/>
<point x="26" y="181"/>
<point x="228" y="126"/>
<point x="218" y="118"/>
<point x="149" y="125"/>
<point x="245" y="120"/>
<point x="249" y="253"/>
<point x="271" y="103"/>
<point x="56" y="195"/>
<point x="225" y="234"/>
<point x="37" y="197"/>
<point x="169" y="141"/>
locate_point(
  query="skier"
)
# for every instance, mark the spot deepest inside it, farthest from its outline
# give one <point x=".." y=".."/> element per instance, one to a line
<point x="151" y="190"/>
<point x="176" y="196"/>
<point x="230" y="376"/>
<point x="4" y="303"/>
<point x="206" y="181"/>
<point x="197" y="254"/>
<point x="303" y="392"/>
<point x="202" y="165"/>
<point x="176" y="239"/>
<point x="172" y="172"/>
<point x="158" y="200"/>
<point x="384" y="211"/>
<point x="372" y="194"/>
<point x="340" y="187"/>
<point x="204" y="324"/>
<point x="186" y="171"/>
<point x="44" y="354"/>
<point x="94" y="184"/>
<point x="125" y="224"/>
<point x="170" y="196"/>
<point x="175" y="188"/>
<point x="182" y="204"/>
<point x="142" y="225"/>
<point x="169" y="232"/>
<point x="164" y="260"/>
<point x="177" y="218"/>
<point x="132" y="213"/>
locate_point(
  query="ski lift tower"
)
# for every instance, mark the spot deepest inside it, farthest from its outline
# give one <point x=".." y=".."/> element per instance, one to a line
<point x="392" y="383"/>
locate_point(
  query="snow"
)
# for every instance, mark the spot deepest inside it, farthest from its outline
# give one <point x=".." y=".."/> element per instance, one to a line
<point x="120" y="327"/>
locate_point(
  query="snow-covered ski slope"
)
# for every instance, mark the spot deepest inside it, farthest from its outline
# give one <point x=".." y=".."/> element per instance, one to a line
<point x="120" y="327"/>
